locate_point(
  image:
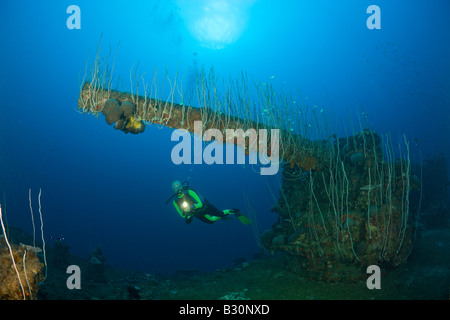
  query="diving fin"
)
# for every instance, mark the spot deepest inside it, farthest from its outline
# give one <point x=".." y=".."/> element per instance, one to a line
<point x="244" y="219"/>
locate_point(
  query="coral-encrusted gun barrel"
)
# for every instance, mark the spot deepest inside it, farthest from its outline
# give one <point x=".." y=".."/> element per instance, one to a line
<point x="129" y="113"/>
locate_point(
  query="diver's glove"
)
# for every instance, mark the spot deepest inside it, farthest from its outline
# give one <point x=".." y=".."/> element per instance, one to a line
<point x="189" y="219"/>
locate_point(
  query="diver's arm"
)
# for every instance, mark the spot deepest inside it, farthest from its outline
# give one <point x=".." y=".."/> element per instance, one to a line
<point x="194" y="195"/>
<point x="180" y="212"/>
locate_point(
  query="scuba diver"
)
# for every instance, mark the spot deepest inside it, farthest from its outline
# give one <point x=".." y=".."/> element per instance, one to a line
<point x="189" y="205"/>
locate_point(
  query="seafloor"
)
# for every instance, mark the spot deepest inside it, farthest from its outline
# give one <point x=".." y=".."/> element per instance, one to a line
<point x="426" y="275"/>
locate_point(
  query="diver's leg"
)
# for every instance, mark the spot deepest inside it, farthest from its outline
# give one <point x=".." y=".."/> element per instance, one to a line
<point x="209" y="213"/>
<point x="207" y="219"/>
<point x="231" y="211"/>
<point x="213" y="211"/>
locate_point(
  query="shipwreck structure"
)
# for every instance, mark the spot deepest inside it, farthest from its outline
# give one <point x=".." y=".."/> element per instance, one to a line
<point x="344" y="202"/>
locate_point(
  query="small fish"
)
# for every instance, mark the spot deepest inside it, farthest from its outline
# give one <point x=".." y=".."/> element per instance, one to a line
<point x="60" y="238"/>
<point x="321" y="110"/>
<point x="271" y="77"/>
<point x="370" y="187"/>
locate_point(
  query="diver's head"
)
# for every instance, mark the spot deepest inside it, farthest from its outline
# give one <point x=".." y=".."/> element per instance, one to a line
<point x="177" y="187"/>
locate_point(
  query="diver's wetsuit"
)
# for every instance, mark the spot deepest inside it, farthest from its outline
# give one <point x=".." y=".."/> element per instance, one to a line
<point x="203" y="210"/>
<point x="205" y="213"/>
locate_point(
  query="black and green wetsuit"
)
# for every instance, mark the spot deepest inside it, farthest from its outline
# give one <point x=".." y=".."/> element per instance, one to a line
<point x="199" y="209"/>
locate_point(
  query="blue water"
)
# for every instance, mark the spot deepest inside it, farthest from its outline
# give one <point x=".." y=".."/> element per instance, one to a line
<point x="102" y="187"/>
